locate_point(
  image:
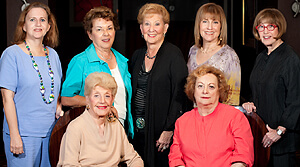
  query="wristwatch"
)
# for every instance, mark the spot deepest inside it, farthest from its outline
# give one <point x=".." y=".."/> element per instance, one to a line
<point x="279" y="132"/>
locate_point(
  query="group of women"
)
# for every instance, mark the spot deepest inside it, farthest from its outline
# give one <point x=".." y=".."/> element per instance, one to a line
<point x="144" y="103"/>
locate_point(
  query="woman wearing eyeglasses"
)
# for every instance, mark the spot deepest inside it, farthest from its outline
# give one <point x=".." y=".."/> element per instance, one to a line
<point x="275" y="84"/>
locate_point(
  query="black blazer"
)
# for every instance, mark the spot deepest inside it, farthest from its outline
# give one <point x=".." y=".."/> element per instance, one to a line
<point x="165" y="92"/>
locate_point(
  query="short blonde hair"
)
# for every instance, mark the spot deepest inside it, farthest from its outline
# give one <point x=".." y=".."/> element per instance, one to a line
<point x="217" y="12"/>
<point x="51" y="37"/>
<point x="153" y="8"/>
<point x="272" y="16"/>
<point x="201" y="71"/>
<point x="99" y="12"/>
<point x="101" y="79"/>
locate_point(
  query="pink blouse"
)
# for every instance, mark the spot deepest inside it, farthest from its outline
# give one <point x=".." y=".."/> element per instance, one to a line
<point x="218" y="139"/>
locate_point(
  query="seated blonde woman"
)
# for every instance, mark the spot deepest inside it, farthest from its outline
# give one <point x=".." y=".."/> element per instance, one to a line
<point x="212" y="134"/>
<point x="94" y="138"/>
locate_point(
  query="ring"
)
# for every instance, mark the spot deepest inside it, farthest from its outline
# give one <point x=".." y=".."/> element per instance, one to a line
<point x="164" y="147"/>
<point x="269" y="142"/>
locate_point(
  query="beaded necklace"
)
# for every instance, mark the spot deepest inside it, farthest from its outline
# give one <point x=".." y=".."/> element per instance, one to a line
<point x="147" y="55"/>
<point x="51" y="74"/>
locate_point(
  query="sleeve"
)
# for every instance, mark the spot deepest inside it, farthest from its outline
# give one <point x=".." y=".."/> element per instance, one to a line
<point x="291" y="115"/>
<point x="234" y="79"/>
<point x="175" y="155"/>
<point x="74" y="80"/>
<point x="8" y="71"/>
<point x="179" y="73"/>
<point x="243" y="140"/>
<point x="129" y="155"/>
<point x="70" y="148"/>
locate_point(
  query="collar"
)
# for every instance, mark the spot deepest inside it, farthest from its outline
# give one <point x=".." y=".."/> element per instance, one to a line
<point x="93" y="57"/>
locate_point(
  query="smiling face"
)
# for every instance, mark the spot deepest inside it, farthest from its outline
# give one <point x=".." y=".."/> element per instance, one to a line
<point x="206" y="90"/>
<point x="210" y="29"/>
<point x="100" y="101"/>
<point x="36" y="24"/>
<point x="153" y="28"/>
<point x="267" y="37"/>
<point x="103" y="33"/>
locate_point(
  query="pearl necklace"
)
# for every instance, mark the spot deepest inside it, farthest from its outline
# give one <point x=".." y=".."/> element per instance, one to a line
<point x="51" y="74"/>
<point x="147" y="55"/>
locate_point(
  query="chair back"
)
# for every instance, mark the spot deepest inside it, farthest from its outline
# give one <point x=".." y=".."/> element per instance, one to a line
<point x="258" y="128"/>
<point x="58" y="132"/>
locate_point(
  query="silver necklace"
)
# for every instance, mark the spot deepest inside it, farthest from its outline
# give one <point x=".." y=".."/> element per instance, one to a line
<point x="107" y="59"/>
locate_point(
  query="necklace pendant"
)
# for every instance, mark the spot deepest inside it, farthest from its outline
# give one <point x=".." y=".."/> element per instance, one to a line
<point x="42" y="89"/>
<point x="35" y="66"/>
<point x="51" y="74"/>
<point x="51" y="97"/>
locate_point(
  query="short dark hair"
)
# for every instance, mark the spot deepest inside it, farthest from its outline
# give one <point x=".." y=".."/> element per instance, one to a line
<point x="99" y="12"/>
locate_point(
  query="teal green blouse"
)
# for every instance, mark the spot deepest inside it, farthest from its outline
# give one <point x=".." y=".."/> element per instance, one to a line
<point x="88" y="62"/>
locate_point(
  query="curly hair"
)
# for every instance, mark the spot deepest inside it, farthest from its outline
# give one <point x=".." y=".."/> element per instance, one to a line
<point x="201" y="71"/>
<point x="101" y="79"/>
<point x="99" y="12"/>
<point x="153" y="8"/>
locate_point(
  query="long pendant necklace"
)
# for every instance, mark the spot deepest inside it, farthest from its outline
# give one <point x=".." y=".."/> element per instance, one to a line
<point x="51" y="74"/>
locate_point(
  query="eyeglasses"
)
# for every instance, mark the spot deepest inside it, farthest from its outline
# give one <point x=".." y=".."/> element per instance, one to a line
<point x="269" y="27"/>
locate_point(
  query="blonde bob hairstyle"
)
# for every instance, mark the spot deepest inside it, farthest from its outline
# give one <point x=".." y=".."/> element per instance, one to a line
<point x="153" y="8"/>
<point x="100" y="12"/>
<point x="271" y="16"/>
<point x="212" y="11"/>
<point x="101" y="79"/>
<point x="51" y="37"/>
<point x="201" y="71"/>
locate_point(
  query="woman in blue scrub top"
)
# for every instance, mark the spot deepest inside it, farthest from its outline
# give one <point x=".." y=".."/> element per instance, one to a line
<point x="100" y="23"/>
<point x="30" y="80"/>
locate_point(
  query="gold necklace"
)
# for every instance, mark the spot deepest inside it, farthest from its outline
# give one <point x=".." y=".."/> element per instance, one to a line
<point x="208" y="50"/>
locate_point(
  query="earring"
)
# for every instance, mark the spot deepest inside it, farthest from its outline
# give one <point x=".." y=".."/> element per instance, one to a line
<point x="164" y="34"/>
<point x="142" y="35"/>
<point x="87" y="107"/>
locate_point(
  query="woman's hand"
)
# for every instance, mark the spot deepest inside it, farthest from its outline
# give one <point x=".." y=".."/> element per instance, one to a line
<point x="164" y="140"/>
<point x="59" y="111"/>
<point x="16" y="144"/>
<point x="249" y="107"/>
<point x="270" y="137"/>
<point x="115" y="112"/>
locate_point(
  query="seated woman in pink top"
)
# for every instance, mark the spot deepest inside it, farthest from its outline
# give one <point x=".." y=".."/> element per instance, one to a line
<point x="94" y="138"/>
<point x="212" y="134"/>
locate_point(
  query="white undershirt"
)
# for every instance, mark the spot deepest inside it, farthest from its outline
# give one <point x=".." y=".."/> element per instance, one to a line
<point x="120" y="99"/>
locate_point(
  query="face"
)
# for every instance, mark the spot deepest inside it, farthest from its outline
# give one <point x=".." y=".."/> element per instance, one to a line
<point x="266" y="36"/>
<point x="206" y="90"/>
<point x="210" y="29"/>
<point x="100" y="101"/>
<point x="153" y="28"/>
<point x="36" y="23"/>
<point x="103" y="33"/>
